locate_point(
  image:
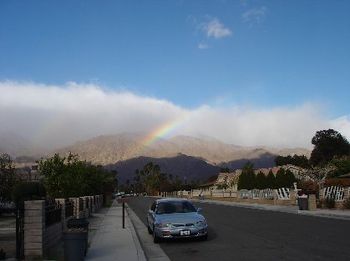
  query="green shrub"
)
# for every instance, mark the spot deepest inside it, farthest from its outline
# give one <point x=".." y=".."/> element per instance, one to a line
<point x="346" y="203"/>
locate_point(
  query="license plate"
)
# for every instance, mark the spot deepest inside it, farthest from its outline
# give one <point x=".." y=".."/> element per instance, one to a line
<point x="185" y="233"/>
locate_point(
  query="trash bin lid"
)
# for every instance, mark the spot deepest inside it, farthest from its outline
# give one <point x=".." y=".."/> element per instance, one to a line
<point x="77" y="223"/>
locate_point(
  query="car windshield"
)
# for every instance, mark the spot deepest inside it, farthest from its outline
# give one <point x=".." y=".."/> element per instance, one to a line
<point x="175" y="207"/>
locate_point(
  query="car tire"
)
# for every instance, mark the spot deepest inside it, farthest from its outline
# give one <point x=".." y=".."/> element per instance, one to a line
<point x="156" y="239"/>
<point x="149" y="230"/>
<point x="148" y="227"/>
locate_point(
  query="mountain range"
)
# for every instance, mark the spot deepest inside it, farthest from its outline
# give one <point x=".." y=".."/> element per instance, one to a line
<point x="185" y="156"/>
<point x="114" y="148"/>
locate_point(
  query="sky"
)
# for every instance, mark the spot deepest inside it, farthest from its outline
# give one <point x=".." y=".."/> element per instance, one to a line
<point x="246" y="72"/>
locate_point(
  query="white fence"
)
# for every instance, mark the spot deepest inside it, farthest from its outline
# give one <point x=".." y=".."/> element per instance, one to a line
<point x="270" y="194"/>
<point x="267" y="194"/>
<point x="283" y="193"/>
<point x="335" y="192"/>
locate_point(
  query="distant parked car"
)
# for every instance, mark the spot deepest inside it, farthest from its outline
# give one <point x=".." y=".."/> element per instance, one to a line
<point x="119" y="194"/>
<point x="175" y="218"/>
<point x="7" y="207"/>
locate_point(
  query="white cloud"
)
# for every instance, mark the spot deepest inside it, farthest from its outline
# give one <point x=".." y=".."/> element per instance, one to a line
<point x="342" y="124"/>
<point x="53" y="116"/>
<point x="214" y="28"/>
<point x="254" y="16"/>
<point x="203" y="46"/>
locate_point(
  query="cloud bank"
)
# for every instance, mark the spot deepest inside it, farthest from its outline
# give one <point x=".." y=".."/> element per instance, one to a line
<point x="55" y="116"/>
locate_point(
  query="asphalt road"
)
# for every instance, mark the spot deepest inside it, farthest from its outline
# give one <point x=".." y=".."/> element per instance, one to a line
<point x="237" y="233"/>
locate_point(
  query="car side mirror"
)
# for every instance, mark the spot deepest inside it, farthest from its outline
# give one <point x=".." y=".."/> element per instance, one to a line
<point x="199" y="210"/>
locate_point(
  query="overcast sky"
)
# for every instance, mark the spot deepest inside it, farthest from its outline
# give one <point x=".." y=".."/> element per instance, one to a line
<point x="59" y="115"/>
<point x="246" y="72"/>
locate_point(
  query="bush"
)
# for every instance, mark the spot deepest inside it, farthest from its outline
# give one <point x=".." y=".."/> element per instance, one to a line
<point x="329" y="202"/>
<point x="346" y="203"/>
<point x="70" y="177"/>
<point x="28" y="191"/>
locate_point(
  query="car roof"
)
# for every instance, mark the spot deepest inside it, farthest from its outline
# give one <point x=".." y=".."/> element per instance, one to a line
<point x="170" y="199"/>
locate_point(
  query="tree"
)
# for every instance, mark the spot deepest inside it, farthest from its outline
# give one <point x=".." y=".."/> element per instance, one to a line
<point x="328" y="144"/>
<point x="8" y="177"/>
<point x="70" y="177"/>
<point x="290" y="178"/>
<point x="284" y="178"/>
<point x="271" y="180"/>
<point x="152" y="177"/>
<point x="27" y="191"/>
<point x="177" y="183"/>
<point x="296" y="160"/>
<point x="138" y="185"/>
<point x="261" y="181"/>
<point x="247" y="178"/>
<point x="341" y="166"/>
<point x="280" y="178"/>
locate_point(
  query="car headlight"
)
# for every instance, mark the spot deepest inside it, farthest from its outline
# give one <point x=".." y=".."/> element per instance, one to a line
<point x="163" y="225"/>
<point x="201" y="223"/>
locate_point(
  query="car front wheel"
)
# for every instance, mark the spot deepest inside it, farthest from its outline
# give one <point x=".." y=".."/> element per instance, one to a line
<point x="149" y="230"/>
<point x="156" y="239"/>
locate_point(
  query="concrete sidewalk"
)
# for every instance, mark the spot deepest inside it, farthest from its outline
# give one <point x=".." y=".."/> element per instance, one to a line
<point x="327" y="213"/>
<point x="109" y="241"/>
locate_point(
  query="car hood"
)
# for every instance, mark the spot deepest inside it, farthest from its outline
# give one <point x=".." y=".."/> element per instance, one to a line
<point x="191" y="217"/>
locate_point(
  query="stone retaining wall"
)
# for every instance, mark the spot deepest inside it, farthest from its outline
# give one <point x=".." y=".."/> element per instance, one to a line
<point x="39" y="238"/>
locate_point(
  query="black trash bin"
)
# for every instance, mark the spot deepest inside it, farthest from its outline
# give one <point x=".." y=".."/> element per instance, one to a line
<point x="74" y="244"/>
<point x="303" y="203"/>
<point x="80" y="224"/>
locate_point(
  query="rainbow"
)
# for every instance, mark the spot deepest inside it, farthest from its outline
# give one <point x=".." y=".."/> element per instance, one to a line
<point x="163" y="131"/>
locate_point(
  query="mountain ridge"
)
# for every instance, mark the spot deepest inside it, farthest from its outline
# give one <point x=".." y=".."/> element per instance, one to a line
<point x="109" y="149"/>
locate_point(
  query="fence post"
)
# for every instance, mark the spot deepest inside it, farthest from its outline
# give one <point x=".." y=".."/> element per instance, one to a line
<point x="87" y="206"/>
<point x="312" y="202"/>
<point x="93" y="207"/>
<point x="75" y="207"/>
<point x="275" y="196"/>
<point x="293" y="197"/>
<point x="34" y="225"/>
<point x="346" y="193"/>
<point x="62" y="201"/>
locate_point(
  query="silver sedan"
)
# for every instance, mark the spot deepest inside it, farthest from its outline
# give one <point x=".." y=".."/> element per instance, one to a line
<point x="175" y="218"/>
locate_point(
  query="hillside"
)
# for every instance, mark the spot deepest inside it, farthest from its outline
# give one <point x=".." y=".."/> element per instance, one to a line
<point x="110" y="149"/>
<point x="186" y="167"/>
<point x="187" y="157"/>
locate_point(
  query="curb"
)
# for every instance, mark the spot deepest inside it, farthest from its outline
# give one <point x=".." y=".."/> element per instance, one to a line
<point x="140" y="253"/>
<point x="152" y="251"/>
<point x="281" y="209"/>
